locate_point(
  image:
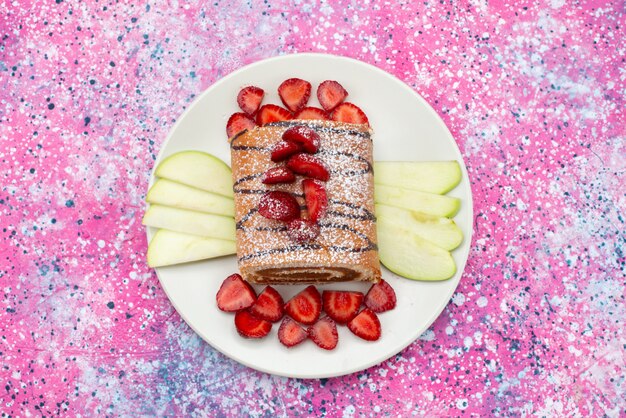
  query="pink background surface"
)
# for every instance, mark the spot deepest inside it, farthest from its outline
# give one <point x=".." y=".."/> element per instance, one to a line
<point x="533" y="94"/>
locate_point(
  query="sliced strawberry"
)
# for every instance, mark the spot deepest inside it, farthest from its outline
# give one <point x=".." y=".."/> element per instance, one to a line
<point x="250" y="326"/>
<point x="238" y="122"/>
<point x="306" y="137"/>
<point x="315" y="198"/>
<point x="280" y="206"/>
<point x="268" y="305"/>
<point x="365" y="325"/>
<point x="271" y="113"/>
<point x="277" y="175"/>
<point x="324" y="333"/>
<point x="341" y="306"/>
<point x="290" y="333"/>
<point x="349" y="113"/>
<point x="307" y="165"/>
<point x="283" y="150"/>
<point x="311" y="113"/>
<point x="235" y="294"/>
<point x="330" y="93"/>
<point x="306" y="306"/>
<point x="302" y="230"/>
<point x="249" y="99"/>
<point x="294" y="93"/>
<point x="381" y="297"/>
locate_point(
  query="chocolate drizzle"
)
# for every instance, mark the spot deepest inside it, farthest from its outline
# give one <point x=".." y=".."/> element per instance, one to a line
<point x="280" y="250"/>
<point x="246" y="178"/>
<point x="247" y="148"/>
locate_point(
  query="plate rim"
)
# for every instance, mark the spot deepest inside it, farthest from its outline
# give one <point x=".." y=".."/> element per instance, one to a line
<point x="465" y="176"/>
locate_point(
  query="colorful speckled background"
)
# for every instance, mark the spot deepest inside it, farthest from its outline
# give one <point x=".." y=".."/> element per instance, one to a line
<point x="534" y="95"/>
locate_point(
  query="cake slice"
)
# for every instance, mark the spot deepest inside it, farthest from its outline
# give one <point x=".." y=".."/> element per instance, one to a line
<point x="346" y="247"/>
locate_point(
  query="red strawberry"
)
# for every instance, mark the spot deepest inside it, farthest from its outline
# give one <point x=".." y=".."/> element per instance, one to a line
<point x="330" y="93"/>
<point x="283" y="150"/>
<point x="271" y="113"/>
<point x="235" y="294"/>
<point x="311" y="113"/>
<point x="306" y="137"/>
<point x="324" y="333"/>
<point x="268" y="305"/>
<point x="381" y="297"/>
<point x="237" y="123"/>
<point x="277" y="175"/>
<point x="294" y="93"/>
<point x="365" y="325"/>
<point x="302" y="230"/>
<point x="341" y="306"/>
<point x="306" y="306"/>
<point x="280" y="206"/>
<point x="249" y="99"/>
<point x="290" y="333"/>
<point x="349" y="113"/>
<point x="250" y="326"/>
<point x="307" y="165"/>
<point x="315" y="198"/>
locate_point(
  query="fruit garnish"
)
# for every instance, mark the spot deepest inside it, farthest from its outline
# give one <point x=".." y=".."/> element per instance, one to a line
<point x="283" y="150"/>
<point x="280" y="206"/>
<point x="294" y="93"/>
<point x="306" y="137"/>
<point x="341" y="306"/>
<point x="330" y="94"/>
<point x="302" y="230"/>
<point x="307" y="165"/>
<point x="306" y="306"/>
<point x="365" y="325"/>
<point x="249" y="99"/>
<point x="277" y="175"/>
<point x="381" y="297"/>
<point x="349" y="113"/>
<point x="290" y="333"/>
<point x="269" y="305"/>
<point x="271" y="113"/>
<point x="238" y="122"/>
<point x="315" y="198"/>
<point x="250" y="326"/>
<point x="235" y="294"/>
<point x="324" y="333"/>
<point x="199" y="170"/>
<point x="311" y="113"/>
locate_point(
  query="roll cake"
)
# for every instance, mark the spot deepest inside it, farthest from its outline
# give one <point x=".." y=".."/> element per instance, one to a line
<point x="346" y="247"/>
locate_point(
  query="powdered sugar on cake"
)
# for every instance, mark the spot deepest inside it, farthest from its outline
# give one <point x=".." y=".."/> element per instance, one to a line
<point x="347" y="238"/>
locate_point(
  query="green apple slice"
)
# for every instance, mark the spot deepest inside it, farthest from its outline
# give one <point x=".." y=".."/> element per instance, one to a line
<point x="410" y="256"/>
<point x="190" y="222"/>
<point x="429" y="203"/>
<point x="169" y="247"/>
<point x="438" y="177"/>
<point x="169" y="193"/>
<point x="442" y="232"/>
<point x="198" y="169"/>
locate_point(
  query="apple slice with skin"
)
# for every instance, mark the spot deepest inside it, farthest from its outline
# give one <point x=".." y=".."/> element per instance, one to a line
<point x="429" y="203"/>
<point x="169" y="193"/>
<point x="190" y="222"/>
<point x="198" y="169"/>
<point x="169" y="247"/>
<point x="442" y="232"/>
<point x="438" y="177"/>
<point x="410" y="256"/>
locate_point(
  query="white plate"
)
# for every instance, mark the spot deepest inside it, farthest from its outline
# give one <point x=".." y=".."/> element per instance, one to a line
<point x="405" y="128"/>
